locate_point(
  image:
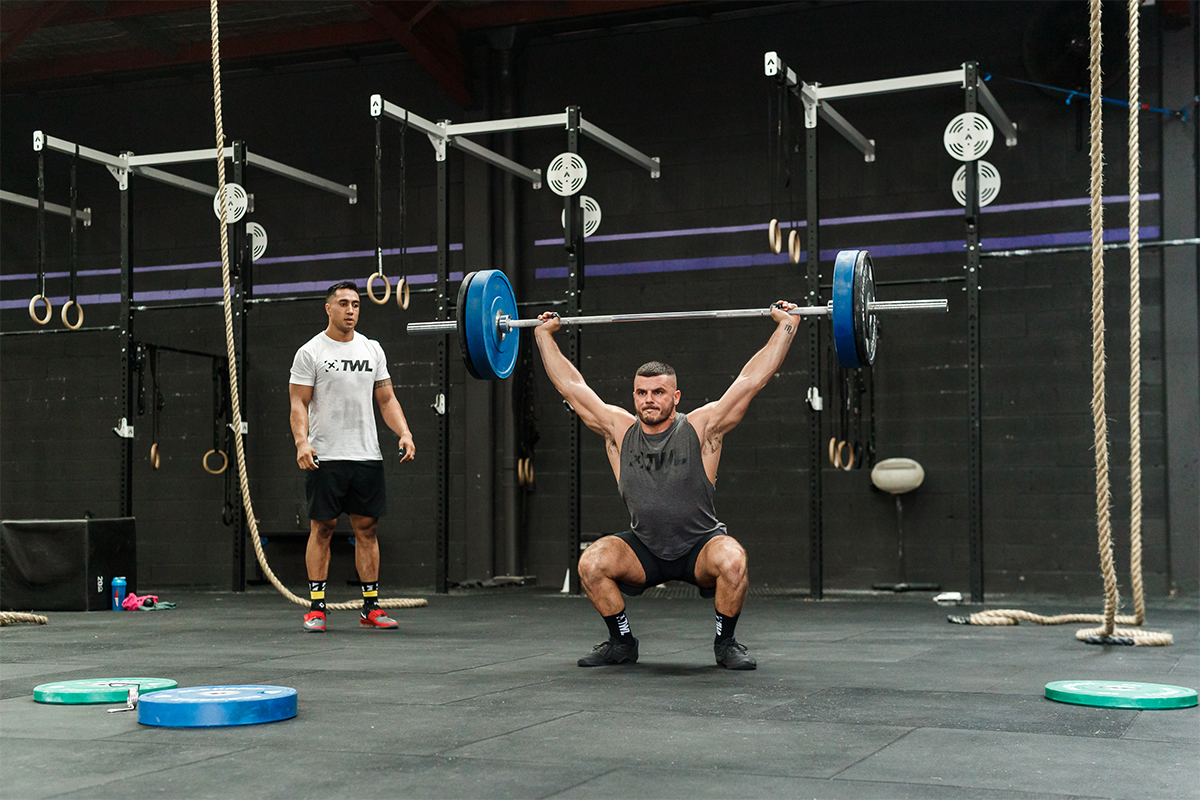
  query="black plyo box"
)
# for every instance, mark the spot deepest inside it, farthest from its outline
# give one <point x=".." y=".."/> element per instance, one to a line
<point x="65" y="564"/>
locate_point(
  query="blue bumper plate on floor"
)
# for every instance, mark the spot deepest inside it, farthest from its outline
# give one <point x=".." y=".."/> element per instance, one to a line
<point x="1121" y="694"/>
<point x="216" y="706"/>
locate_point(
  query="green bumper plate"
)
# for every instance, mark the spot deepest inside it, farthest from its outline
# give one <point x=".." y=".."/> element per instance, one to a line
<point x="97" y="690"/>
<point x="1121" y="694"/>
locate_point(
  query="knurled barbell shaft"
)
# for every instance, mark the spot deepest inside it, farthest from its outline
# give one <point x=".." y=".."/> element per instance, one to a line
<point x="799" y="311"/>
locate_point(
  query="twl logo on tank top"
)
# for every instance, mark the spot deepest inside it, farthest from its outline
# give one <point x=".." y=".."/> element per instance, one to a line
<point x="655" y="462"/>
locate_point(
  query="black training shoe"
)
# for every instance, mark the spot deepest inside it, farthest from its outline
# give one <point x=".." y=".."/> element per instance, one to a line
<point x="611" y="652"/>
<point x="731" y="654"/>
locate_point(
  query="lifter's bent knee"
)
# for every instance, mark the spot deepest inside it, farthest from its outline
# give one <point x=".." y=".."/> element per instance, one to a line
<point x="729" y="561"/>
<point x="596" y="563"/>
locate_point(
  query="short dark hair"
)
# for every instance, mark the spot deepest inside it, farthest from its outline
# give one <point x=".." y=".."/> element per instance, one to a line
<point x="652" y="368"/>
<point x="337" y="287"/>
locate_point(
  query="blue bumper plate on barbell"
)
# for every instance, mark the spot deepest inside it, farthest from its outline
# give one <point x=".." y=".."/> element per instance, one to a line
<point x="217" y="706"/>
<point x="489" y="296"/>
<point x="855" y="329"/>
<point x="843" y="308"/>
<point x="1121" y="694"/>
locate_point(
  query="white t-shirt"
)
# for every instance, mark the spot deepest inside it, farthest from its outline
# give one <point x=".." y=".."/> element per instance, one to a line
<point x="341" y="416"/>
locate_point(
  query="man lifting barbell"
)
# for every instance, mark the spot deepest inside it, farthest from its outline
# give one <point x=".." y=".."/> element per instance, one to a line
<point x="665" y="463"/>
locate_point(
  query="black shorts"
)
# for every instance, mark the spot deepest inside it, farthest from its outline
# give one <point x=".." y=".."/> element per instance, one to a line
<point x="350" y="487"/>
<point x="659" y="570"/>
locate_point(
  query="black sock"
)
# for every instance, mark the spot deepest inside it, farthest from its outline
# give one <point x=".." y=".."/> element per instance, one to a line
<point x="370" y="593"/>
<point x="618" y="627"/>
<point x="316" y="591"/>
<point x="725" y="626"/>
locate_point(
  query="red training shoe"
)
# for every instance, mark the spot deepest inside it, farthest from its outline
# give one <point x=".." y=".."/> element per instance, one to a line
<point x="376" y="618"/>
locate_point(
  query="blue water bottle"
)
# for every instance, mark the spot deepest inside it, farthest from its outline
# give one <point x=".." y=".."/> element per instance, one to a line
<point x="118" y="593"/>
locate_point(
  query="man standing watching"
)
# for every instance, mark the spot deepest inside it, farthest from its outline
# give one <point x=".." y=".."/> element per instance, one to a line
<point x="665" y="463"/>
<point x="334" y="377"/>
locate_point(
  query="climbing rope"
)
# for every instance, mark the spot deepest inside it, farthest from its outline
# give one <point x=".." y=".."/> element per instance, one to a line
<point x="235" y="402"/>
<point x="1108" y="633"/>
<point x="15" y="617"/>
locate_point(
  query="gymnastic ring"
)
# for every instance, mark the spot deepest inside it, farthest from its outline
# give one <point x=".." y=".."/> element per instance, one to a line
<point x="224" y="462"/>
<point x="387" y="288"/>
<point x="794" y="250"/>
<point x="848" y="463"/>
<point x="155" y="455"/>
<point x="79" y="321"/>
<point x="529" y="471"/>
<point x="402" y="293"/>
<point x="33" y="314"/>
<point x="833" y="459"/>
<point x="775" y="236"/>
<point x="520" y="472"/>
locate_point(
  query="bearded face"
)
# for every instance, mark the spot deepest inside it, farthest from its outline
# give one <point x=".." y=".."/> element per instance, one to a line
<point x="655" y="398"/>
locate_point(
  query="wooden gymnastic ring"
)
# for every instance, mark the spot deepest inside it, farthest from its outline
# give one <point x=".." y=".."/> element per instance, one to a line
<point x="833" y="459"/>
<point x="794" y="251"/>
<point x="848" y="463"/>
<point x="33" y="314"/>
<point x="775" y="236"/>
<point x="224" y="462"/>
<point x="387" y="288"/>
<point x="155" y="456"/>
<point x="402" y="294"/>
<point x="79" y="321"/>
<point x="520" y="472"/>
<point x="529" y="471"/>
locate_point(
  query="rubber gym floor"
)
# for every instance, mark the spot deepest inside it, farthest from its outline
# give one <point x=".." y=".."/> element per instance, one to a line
<point x="477" y="695"/>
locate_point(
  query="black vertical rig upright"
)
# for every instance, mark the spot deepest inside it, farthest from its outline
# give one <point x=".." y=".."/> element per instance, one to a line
<point x="128" y="357"/>
<point x="240" y="288"/>
<point x="974" y="404"/>
<point x="813" y="296"/>
<point x="573" y="240"/>
<point x="442" y="511"/>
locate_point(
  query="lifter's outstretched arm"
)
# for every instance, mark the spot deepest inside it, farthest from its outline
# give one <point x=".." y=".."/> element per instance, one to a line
<point x="723" y="415"/>
<point x="606" y="420"/>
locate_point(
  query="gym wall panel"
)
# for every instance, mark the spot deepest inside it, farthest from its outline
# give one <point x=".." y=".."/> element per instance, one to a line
<point x="695" y="96"/>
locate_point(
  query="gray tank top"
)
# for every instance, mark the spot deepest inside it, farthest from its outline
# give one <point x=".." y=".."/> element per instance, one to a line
<point x="666" y="490"/>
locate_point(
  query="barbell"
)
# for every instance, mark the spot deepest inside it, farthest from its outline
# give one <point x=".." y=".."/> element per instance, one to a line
<point x="489" y="330"/>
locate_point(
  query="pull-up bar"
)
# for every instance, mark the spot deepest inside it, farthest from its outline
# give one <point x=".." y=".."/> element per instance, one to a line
<point x="815" y="98"/>
<point x="142" y="165"/>
<point x="83" y="215"/>
<point x="443" y="133"/>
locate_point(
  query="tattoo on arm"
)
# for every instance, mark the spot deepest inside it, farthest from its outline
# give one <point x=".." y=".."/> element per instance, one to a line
<point x="788" y="329"/>
<point x="383" y="383"/>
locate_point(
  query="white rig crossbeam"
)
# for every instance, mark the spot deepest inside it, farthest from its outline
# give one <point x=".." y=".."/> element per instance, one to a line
<point x="816" y="99"/>
<point x="446" y="132"/>
<point x="143" y="165"/>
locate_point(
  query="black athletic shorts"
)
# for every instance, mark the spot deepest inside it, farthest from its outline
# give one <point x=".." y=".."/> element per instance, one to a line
<point x="350" y="487"/>
<point x="660" y="570"/>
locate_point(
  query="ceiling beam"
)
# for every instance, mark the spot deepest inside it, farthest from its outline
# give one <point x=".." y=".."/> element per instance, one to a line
<point x="76" y="12"/>
<point x="442" y="60"/>
<point x="39" y="16"/>
<point x="232" y="49"/>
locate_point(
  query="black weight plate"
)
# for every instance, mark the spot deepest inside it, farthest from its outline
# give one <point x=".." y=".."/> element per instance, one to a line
<point x="866" y="326"/>
<point x="460" y="317"/>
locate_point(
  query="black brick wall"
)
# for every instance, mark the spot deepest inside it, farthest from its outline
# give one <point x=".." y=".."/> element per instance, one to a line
<point x="695" y="96"/>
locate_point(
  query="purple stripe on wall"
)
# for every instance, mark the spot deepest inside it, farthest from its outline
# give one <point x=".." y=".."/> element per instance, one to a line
<point x="216" y="292"/>
<point x="388" y="251"/>
<point x="877" y="251"/>
<point x="867" y="218"/>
